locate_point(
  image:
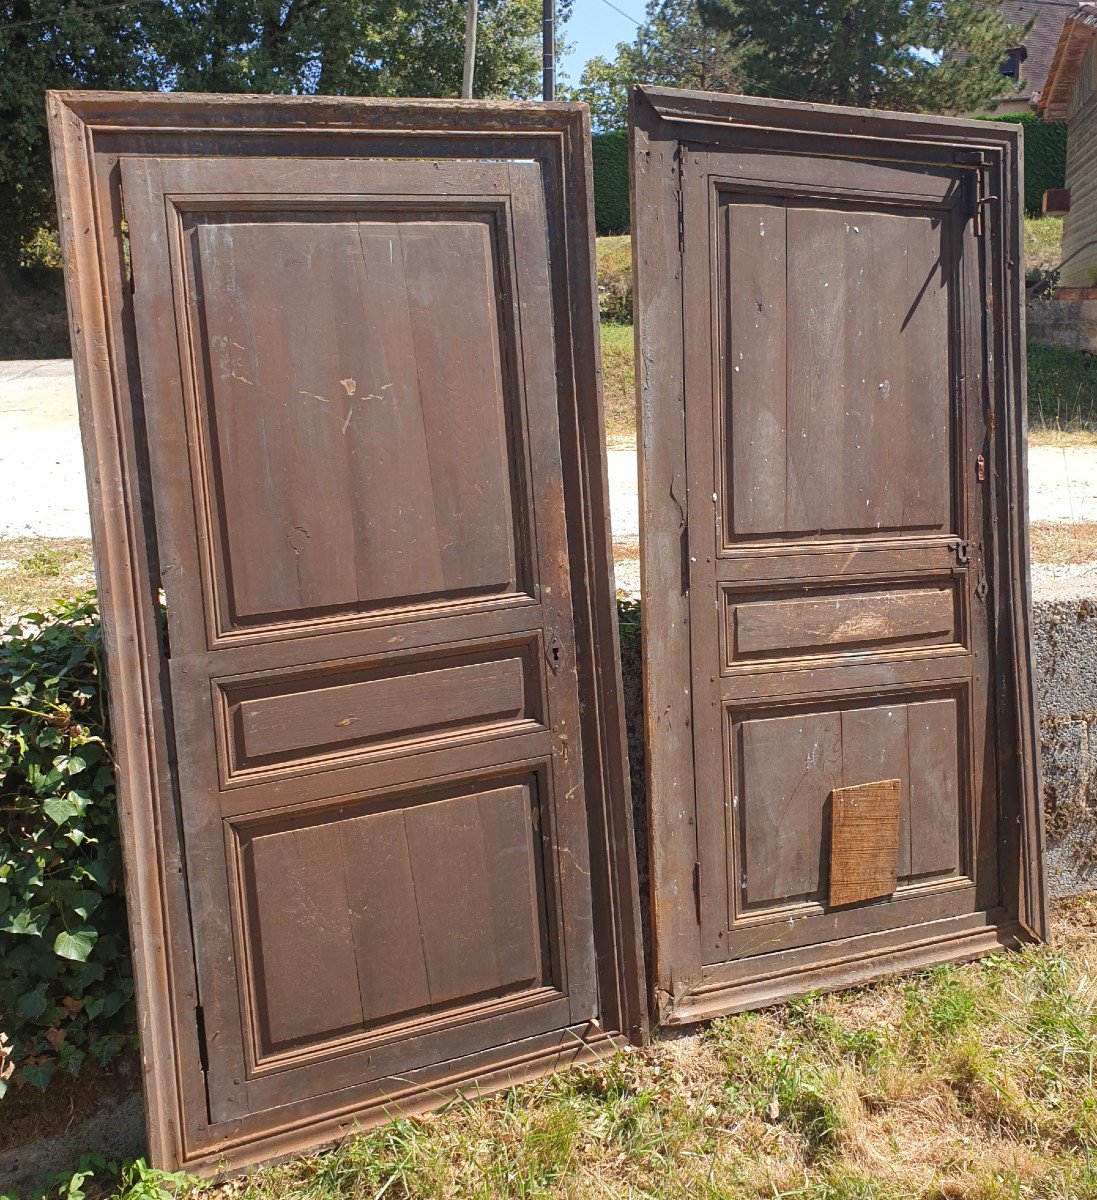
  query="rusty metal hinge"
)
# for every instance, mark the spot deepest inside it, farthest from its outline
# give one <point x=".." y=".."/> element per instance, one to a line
<point x="973" y="186"/>
<point x="697" y="892"/>
<point x="681" y="223"/>
<point x="981" y="469"/>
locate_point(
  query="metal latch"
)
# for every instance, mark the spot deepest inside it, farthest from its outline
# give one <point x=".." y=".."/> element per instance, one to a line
<point x="960" y="549"/>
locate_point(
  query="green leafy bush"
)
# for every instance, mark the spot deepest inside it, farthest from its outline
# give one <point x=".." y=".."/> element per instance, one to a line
<point x="609" y="152"/>
<point x="1045" y="156"/>
<point x="65" y="984"/>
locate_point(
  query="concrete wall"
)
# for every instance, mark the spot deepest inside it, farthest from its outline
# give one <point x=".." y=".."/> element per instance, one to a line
<point x="1071" y="324"/>
<point x="1065" y="632"/>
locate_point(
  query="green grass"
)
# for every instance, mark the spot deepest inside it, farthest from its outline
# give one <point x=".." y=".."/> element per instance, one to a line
<point x="1062" y="388"/>
<point x="618" y="384"/>
<point x="1043" y="244"/>
<point x="973" y="1082"/>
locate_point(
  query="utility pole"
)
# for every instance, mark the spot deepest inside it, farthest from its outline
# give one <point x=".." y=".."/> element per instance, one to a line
<point x="548" y="49"/>
<point x="470" y="51"/>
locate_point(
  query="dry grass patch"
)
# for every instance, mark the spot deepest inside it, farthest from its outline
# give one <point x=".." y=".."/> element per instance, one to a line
<point x="1063" y="542"/>
<point x="36" y="571"/>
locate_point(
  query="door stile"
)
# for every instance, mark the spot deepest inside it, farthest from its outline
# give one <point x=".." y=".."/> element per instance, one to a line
<point x="664" y="521"/>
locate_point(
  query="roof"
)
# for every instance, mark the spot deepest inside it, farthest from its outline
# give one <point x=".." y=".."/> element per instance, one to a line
<point x="1040" y="41"/>
<point x="1077" y="35"/>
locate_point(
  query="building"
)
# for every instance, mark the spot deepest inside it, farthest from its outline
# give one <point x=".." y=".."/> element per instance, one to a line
<point x="1029" y="62"/>
<point x="1070" y="95"/>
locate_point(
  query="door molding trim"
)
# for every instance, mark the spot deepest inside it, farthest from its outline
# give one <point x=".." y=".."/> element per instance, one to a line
<point x="663" y="124"/>
<point x="90" y="132"/>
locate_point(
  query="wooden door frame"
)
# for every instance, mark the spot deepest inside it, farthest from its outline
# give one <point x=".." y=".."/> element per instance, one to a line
<point x="661" y="122"/>
<point x="89" y="132"/>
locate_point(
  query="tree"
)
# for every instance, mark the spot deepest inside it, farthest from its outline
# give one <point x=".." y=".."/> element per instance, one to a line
<point x="912" y="55"/>
<point x="49" y="44"/>
<point x="334" y="47"/>
<point x="673" y="48"/>
<point x="347" y="47"/>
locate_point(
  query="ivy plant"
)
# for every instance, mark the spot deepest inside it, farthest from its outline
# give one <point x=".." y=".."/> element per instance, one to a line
<point x="65" y="984"/>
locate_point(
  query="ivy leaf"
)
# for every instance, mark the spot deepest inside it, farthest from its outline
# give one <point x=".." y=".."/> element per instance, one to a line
<point x="60" y="809"/>
<point x="32" y="1004"/>
<point x="76" y="946"/>
<point x="39" y="1074"/>
<point x="26" y="921"/>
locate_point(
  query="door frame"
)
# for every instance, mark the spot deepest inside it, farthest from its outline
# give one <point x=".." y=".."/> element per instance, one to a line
<point x="661" y="122"/>
<point x="90" y="132"/>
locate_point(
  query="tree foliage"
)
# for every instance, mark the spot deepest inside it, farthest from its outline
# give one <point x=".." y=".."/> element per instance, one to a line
<point x="306" y="47"/>
<point x="54" y="44"/>
<point x="672" y="47"/>
<point x="911" y="55"/>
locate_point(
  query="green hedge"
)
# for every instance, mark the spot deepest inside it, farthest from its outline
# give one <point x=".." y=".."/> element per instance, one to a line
<point x="611" y="199"/>
<point x="1045" y="156"/>
<point x="65" y="984"/>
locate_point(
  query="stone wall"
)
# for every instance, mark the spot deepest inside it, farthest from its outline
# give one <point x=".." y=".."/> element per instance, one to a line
<point x="1065" y="634"/>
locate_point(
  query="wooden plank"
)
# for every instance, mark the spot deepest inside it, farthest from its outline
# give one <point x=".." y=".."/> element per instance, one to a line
<point x="288" y="722"/>
<point x="864" y="842"/>
<point x="789" y="767"/>
<point x="300" y="929"/>
<point x="475" y="893"/>
<point x="935" y="787"/>
<point x="754" y="367"/>
<point x="763" y="628"/>
<point x="874" y="746"/>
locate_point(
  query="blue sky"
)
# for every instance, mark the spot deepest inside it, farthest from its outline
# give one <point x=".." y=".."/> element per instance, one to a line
<point x="596" y="29"/>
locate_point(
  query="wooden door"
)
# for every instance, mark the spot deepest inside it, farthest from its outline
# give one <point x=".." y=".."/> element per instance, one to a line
<point x="828" y="490"/>
<point x="360" y="434"/>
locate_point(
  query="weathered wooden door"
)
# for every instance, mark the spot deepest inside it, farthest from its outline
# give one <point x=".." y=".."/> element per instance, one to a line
<point x="835" y="581"/>
<point x="359" y="368"/>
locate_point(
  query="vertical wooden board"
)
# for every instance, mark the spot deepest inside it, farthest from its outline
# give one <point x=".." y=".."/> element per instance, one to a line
<point x="919" y="403"/>
<point x="471" y="858"/>
<point x="868" y="383"/>
<point x="387" y="938"/>
<point x="303" y="963"/>
<point x="453" y="291"/>
<point x="276" y="412"/>
<point x="397" y="552"/>
<point x="934" y="787"/>
<point x="754" y="368"/>
<point x="874" y="747"/>
<point x="789" y="766"/>
<point x="864" y="842"/>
